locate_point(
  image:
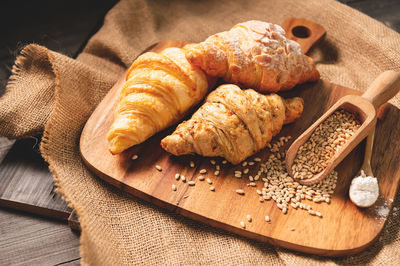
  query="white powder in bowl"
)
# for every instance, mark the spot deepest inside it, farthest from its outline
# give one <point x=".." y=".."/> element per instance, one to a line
<point x="364" y="190"/>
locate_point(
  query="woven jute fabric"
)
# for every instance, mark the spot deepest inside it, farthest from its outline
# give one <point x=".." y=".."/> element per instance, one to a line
<point x="54" y="94"/>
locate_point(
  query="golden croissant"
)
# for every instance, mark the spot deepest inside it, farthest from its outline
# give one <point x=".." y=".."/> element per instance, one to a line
<point x="233" y="123"/>
<point x="254" y="54"/>
<point x="160" y="89"/>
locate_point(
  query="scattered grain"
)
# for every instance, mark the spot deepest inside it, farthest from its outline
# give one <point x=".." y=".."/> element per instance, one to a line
<point x="248" y="217"/>
<point x="203" y="171"/>
<point x="240" y="191"/>
<point x="209" y="181"/>
<point x="191" y="183"/>
<point x="134" y="157"/>
<point x="173" y="187"/>
<point x="242" y="224"/>
<point x="212" y="188"/>
<point x="158" y="168"/>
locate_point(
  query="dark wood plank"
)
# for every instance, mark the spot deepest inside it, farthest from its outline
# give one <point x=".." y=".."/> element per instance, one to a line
<point x="73" y="221"/>
<point x="30" y="240"/>
<point x="27" y="184"/>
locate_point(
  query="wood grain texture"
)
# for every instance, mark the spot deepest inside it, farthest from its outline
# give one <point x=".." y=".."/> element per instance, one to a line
<point x="344" y="230"/>
<point x="30" y="240"/>
<point x="27" y="184"/>
<point x="303" y="31"/>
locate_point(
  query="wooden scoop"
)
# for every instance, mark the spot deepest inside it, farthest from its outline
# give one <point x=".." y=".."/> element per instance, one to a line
<point x="363" y="107"/>
<point x="366" y="167"/>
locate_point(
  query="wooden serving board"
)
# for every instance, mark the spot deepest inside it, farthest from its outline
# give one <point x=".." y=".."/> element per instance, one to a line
<point x="344" y="228"/>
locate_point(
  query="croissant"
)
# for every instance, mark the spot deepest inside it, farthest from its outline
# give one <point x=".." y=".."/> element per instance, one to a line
<point x="254" y="54"/>
<point x="233" y="123"/>
<point x="159" y="90"/>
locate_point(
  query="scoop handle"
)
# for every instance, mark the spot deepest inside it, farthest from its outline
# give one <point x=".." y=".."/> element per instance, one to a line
<point x="383" y="88"/>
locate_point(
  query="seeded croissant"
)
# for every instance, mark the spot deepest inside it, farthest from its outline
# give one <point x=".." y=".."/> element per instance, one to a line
<point x="158" y="92"/>
<point x="254" y="54"/>
<point x="233" y="123"/>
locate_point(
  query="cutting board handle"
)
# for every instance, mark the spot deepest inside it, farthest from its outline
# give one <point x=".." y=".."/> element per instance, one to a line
<point x="303" y="31"/>
<point x="383" y="88"/>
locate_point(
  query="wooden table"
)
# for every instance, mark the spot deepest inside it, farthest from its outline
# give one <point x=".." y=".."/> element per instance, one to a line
<point x="63" y="26"/>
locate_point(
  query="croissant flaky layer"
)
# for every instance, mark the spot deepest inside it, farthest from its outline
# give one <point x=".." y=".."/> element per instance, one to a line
<point x="158" y="92"/>
<point x="254" y="54"/>
<point x="233" y="123"/>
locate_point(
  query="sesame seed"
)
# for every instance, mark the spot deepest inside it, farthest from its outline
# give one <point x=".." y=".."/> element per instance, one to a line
<point x="216" y="172"/>
<point x="186" y="196"/>
<point x="318" y="214"/>
<point x="242" y="224"/>
<point x="173" y="187"/>
<point x="261" y="199"/>
<point x="191" y="183"/>
<point x="252" y="184"/>
<point x="212" y="188"/>
<point x="158" y="168"/>
<point x="245" y="171"/>
<point x="209" y="181"/>
<point x="292" y="229"/>
<point x="244" y="163"/>
<point x="248" y="217"/>
<point x="191" y="164"/>
<point x="177" y="176"/>
<point x="259" y="192"/>
<point x="203" y="171"/>
<point x="134" y="157"/>
<point x="267" y="219"/>
<point x="183" y="178"/>
<point x="240" y="191"/>
<point x="224" y="162"/>
<point x="251" y="163"/>
<point x="257" y="159"/>
<point x="217" y="167"/>
<point x="212" y="162"/>
<point x="200" y="177"/>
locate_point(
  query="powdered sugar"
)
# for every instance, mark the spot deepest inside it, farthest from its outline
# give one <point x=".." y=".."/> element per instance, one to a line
<point x="364" y="190"/>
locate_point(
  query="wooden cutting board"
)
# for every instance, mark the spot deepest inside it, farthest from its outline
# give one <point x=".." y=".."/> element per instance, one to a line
<point x="344" y="228"/>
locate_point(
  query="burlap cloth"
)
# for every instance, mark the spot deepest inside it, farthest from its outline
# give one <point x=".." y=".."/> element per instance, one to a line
<point x="54" y="94"/>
